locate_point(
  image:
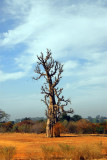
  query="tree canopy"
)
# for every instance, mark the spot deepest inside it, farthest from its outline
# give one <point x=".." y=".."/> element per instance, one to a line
<point x="3" y="116"/>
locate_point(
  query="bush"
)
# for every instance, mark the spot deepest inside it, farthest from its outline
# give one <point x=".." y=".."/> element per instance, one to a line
<point x="6" y="127"/>
<point x="25" y="126"/>
<point x="15" y="128"/>
<point x="65" y="123"/>
<point x="105" y="128"/>
<point x="72" y="127"/>
<point x="104" y="125"/>
<point x="39" y="127"/>
<point x="84" y="126"/>
<point x="99" y="129"/>
<point x="57" y="129"/>
<point x="2" y="128"/>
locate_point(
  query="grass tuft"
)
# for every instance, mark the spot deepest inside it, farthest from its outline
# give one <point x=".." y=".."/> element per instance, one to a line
<point x="50" y="152"/>
<point x="7" y="152"/>
<point x="87" y="152"/>
<point x="64" y="151"/>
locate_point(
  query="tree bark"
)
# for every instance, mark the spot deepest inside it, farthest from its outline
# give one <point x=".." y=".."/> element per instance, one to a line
<point x="51" y="119"/>
<point x="54" y="101"/>
<point x="48" y="128"/>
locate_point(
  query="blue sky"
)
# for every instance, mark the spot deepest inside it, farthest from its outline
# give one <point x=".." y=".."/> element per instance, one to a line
<point x="76" y="33"/>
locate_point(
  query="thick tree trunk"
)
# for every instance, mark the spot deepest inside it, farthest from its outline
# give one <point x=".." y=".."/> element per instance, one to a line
<point x="50" y="122"/>
<point x="52" y="73"/>
<point x="50" y="119"/>
<point x="48" y="128"/>
<point x="51" y="116"/>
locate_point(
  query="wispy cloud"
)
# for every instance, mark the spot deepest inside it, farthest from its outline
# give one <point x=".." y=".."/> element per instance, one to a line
<point x="73" y="30"/>
<point x="77" y="26"/>
<point x="11" y="76"/>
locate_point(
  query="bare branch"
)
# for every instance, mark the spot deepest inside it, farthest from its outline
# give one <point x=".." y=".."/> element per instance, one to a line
<point x="61" y="99"/>
<point x="46" y="113"/>
<point x="57" y="79"/>
<point x="46" y="101"/>
<point x="45" y="90"/>
<point x="41" y="58"/>
<point x="38" y="71"/>
<point x="48" y="55"/>
<point x="51" y="71"/>
<point x="39" y="76"/>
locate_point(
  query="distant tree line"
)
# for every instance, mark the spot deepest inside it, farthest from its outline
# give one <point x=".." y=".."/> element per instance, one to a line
<point x="75" y="124"/>
<point x="97" y="119"/>
<point x="67" y="117"/>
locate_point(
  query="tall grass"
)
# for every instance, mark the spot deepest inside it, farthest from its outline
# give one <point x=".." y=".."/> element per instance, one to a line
<point x="7" y="152"/>
<point x="87" y="152"/>
<point x="69" y="152"/>
<point x="66" y="150"/>
<point x="105" y="150"/>
<point x="50" y="152"/>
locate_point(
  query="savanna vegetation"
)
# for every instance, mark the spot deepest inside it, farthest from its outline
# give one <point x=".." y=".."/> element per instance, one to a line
<point x="75" y="124"/>
<point x="81" y="139"/>
<point x="54" y="100"/>
<point x="30" y="146"/>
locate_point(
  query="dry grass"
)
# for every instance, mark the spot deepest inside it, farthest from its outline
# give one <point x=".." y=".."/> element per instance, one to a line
<point x="49" y="152"/>
<point x="87" y="152"/>
<point x="29" y="145"/>
<point x="7" y="152"/>
<point x="64" y="151"/>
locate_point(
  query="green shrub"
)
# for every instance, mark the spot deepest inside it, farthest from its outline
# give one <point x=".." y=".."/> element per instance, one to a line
<point x="24" y="128"/>
<point x="15" y="128"/>
<point x="99" y="129"/>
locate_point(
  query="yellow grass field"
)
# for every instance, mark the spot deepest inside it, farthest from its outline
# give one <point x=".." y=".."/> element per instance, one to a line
<point x="29" y="145"/>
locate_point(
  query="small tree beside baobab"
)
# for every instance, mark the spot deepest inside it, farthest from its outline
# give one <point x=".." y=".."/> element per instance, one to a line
<point x="51" y="71"/>
<point x="3" y="116"/>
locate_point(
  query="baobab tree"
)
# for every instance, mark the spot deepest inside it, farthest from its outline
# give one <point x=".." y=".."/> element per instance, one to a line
<point x="51" y="71"/>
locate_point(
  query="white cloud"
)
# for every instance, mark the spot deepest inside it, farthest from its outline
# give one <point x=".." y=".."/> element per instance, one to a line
<point x="88" y="74"/>
<point x="70" y="65"/>
<point x="11" y="76"/>
<point x="74" y="30"/>
<point x="16" y="9"/>
<point x="24" y="62"/>
<point x="81" y="25"/>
